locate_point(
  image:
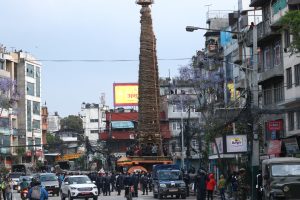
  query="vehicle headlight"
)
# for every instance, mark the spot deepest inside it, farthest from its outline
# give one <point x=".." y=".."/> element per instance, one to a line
<point x="162" y="185"/>
<point x="286" y="189"/>
<point x="95" y="187"/>
<point x="73" y="188"/>
<point x="182" y="184"/>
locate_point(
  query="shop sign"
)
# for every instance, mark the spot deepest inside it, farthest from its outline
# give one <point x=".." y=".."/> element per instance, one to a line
<point x="274" y="147"/>
<point x="236" y="143"/>
<point x="275" y="125"/>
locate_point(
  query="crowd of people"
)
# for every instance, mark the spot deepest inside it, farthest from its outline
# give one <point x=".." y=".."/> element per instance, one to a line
<point x="145" y="150"/>
<point x="205" y="185"/>
<point x="107" y="183"/>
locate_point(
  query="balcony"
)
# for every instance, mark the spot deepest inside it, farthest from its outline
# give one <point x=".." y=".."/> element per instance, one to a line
<point x="5" y="151"/>
<point x="258" y="3"/>
<point x="270" y="74"/>
<point x="236" y="56"/>
<point x="264" y="33"/>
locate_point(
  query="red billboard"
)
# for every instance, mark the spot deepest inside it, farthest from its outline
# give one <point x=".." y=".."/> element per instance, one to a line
<point x="275" y="125"/>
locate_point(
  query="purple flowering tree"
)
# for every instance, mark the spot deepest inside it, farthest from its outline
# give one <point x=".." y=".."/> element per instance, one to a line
<point x="9" y="94"/>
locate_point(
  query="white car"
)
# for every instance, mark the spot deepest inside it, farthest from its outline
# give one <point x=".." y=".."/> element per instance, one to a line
<point x="78" y="187"/>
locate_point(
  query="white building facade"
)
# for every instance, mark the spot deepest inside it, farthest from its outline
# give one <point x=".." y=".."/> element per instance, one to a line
<point x="93" y="117"/>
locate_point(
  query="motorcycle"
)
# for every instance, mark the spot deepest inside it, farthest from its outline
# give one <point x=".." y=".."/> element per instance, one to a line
<point x="24" y="193"/>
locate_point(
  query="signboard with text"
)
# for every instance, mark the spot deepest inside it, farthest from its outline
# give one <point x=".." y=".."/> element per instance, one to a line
<point x="236" y="143"/>
<point x="275" y="125"/>
<point x="126" y="94"/>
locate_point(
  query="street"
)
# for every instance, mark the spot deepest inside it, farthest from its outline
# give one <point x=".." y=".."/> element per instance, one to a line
<point x="114" y="196"/>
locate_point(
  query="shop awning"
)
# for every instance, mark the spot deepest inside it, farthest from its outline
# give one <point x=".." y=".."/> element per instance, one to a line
<point x="136" y="169"/>
<point x="124" y="161"/>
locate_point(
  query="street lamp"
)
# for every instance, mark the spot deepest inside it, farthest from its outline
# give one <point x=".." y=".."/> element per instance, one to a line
<point x="194" y="28"/>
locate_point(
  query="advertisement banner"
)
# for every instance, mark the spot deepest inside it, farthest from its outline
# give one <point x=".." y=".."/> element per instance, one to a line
<point x="274" y="147"/>
<point x="236" y="143"/>
<point x="275" y="125"/>
<point x="219" y="142"/>
<point x="126" y="94"/>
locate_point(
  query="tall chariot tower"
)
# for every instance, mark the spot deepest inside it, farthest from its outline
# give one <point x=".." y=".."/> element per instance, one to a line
<point x="149" y="105"/>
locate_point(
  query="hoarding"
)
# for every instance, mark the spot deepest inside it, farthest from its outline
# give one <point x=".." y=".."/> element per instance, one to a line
<point x="236" y="143"/>
<point x="126" y="94"/>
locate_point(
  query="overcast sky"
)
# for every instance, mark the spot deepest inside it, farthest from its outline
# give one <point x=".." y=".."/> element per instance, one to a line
<point x="99" y="30"/>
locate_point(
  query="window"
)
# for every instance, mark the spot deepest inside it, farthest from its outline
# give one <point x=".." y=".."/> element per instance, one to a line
<point x="176" y="126"/>
<point x="94" y="131"/>
<point x="94" y="120"/>
<point x="291" y="121"/>
<point x="278" y="92"/>
<point x="277" y="55"/>
<point x="36" y="109"/>
<point x="267" y="91"/>
<point x="2" y="66"/>
<point x="36" y="124"/>
<point x="38" y="82"/>
<point x="287" y="39"/>
<point x="298" y="119"/>
<point x="29" y="115"/>
<point x="37" y="141"/>
<point x="289" y="81"/>
<point x="30" y="70"/>
<point x="30" y="88"/>
<point x="177" y="108"/>
<point x="297" y="74"/>
<point x="267" y="63"/>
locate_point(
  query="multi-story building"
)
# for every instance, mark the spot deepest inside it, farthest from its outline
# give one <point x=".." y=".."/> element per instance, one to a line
<point x="277" y="73"/>
<point x="8" y="112"/>
<point x="24" y="120"/>
<point x="179" y="102"/>
<point x="44" y="124"/>
<point x="93" y="118"/>
<point x="29" y="104"/>
<point x="53" y="122"/>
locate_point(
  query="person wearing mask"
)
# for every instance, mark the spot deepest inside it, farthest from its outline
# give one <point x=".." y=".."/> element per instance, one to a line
<point x="221" y="187"/>
<point x="210" y="186"/>
<point x="37" y="192"/>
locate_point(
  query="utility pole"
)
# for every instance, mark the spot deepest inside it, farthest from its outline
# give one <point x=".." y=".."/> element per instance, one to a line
<point x="182" y="137"/>
<point x="255" y="142"/>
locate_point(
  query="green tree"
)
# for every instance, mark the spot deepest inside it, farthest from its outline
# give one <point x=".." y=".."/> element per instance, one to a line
<point x="291" y="22"/>
<point x="72" y="122"/>
<point x="20" y="153"/>
<point x="53" y="142"/>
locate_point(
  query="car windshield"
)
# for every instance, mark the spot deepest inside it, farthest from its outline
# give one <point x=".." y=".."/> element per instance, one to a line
<point x="168" y="175"/>
<point x="286" y="170"/>
<point x="79" y="180"/>
<point x="27" y="178"/>
<point x="45" y="178"/>
<point x="15" y="175"/>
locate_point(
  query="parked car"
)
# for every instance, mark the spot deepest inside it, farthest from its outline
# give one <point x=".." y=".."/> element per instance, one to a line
<point x="78" y="187"/>
<point x="49" y="181"/>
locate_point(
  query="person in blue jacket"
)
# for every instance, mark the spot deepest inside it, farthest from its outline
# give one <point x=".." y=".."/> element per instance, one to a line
<point x="37" y="192"/>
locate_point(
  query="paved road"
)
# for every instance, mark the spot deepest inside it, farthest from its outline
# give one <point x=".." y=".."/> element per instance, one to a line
<point x="114" y="196"/>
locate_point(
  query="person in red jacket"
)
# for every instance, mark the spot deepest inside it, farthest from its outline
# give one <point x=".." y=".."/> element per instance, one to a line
<point x="210" y="186"/>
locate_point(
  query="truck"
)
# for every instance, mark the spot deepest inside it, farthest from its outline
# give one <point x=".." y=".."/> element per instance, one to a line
<point x="168" y="181"/>
<point x="280" y="178"/>
<point x="18" y="170"/>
